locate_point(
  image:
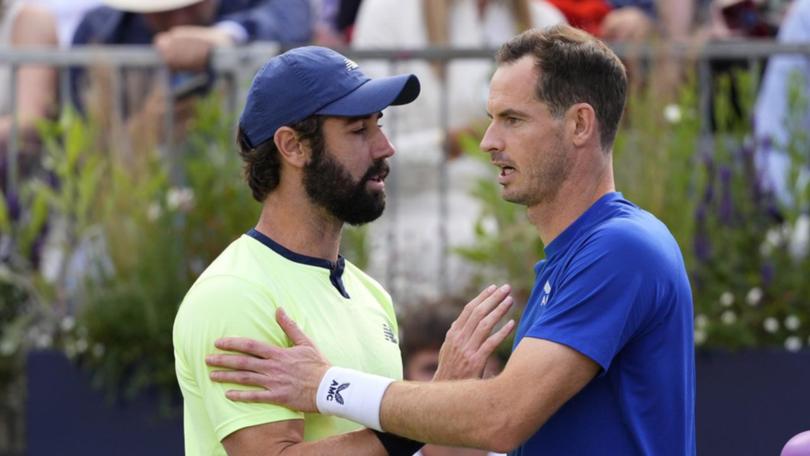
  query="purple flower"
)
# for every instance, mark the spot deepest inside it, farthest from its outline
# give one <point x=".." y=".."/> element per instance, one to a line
<point x="767" y="273"/>
<point x="726" y="202"/>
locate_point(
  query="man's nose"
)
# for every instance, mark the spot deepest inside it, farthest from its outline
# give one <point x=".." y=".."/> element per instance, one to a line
<point x="491" y="142"/>
<point x="382" y="146"/>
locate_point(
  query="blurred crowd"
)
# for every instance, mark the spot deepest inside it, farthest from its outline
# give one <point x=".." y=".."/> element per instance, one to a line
<point x="185" y="32"/>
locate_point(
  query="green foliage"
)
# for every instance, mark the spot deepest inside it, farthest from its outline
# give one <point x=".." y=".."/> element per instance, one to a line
<point x="131" y="232"/>
<point x="163" y="226"/>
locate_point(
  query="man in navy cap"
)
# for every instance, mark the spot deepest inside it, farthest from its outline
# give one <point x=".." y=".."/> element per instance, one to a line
<point x="315" y="158"/>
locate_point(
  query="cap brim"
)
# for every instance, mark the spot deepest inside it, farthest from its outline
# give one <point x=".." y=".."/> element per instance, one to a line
<point x="148" y="6"/>
<point x="374" y="96"/>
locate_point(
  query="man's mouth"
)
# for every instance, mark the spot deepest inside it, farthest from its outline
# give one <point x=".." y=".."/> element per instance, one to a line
<point x="378" y="174"/>
<point x="505" y="169"/>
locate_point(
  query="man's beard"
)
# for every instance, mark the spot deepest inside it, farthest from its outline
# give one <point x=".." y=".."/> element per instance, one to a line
<point x="330" y="185"/>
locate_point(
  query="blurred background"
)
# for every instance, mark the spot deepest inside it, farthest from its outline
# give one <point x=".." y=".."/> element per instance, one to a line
<point x="120" y="182"/>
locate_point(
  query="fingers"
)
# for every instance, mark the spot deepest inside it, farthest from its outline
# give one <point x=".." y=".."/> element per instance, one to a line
<point x="251" y="396"/>
<point x="247" y="346"/>
<point x="495" y="340"/>
<point x="291" y="329"/>
<point x="237" y="362"/>
<point x="239" y="378"/>
<point x="484" y="327"/>
<point x="482" y="310"/>
<point x="465" y="313"/>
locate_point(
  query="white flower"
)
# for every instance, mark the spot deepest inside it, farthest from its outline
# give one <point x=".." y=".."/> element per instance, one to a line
<point x="700" y="337"/>
<point x="180" y="198"/>
<point x="672" y="113"/>
<point x="771" y="325"/>
<point x="153" y="212"/>
<point x="70" y="350"/>
<point x="43" y="341"/>
<point x="793" y="344"/>
<point x="773" y="238"/>
<point x="728" y="317"/>
<point x="67" y="324"/>
<point x="98" y="350"/>
<point x="754" y="296"/>
<point x="726" y="299"/>
<point x="81" y="346"/>
<point x="792" y="322"/>
<point x="800" y="238"/>
<point x="7" y="347"/>
<point x="701" y="321"/>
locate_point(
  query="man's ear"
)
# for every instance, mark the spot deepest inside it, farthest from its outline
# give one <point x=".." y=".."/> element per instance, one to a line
<point x="292" y="149"/>
<point x="582" y="121"/>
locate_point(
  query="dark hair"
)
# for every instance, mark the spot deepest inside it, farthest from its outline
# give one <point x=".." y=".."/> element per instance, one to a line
<point x="263" y="163"/>
<point x="574" y="68"/>
<point x="426" y="327"/>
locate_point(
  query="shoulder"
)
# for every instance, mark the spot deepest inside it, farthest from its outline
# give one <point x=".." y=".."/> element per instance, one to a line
<point x="627" y="244"/>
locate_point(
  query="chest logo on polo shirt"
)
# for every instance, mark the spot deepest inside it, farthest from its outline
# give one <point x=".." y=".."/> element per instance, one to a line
<point x="389" y="334"/>
<point x="546" y="293"/>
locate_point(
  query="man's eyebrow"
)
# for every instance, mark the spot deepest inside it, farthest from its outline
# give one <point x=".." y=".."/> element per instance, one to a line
<point x="351" y="119"/>
<point x="510" y="113"/>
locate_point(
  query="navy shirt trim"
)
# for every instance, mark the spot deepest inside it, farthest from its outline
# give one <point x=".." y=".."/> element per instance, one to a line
<point x="335" y="268"/>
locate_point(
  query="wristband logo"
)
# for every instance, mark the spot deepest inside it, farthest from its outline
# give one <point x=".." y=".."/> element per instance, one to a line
<point x="334" y="391"/>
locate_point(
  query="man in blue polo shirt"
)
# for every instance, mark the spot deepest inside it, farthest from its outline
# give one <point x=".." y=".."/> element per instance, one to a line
<point x="603" y="358"/>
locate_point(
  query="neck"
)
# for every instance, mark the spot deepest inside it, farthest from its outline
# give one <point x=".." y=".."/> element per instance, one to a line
<point x="290" y="219"/>
<point x="576" y="195"/>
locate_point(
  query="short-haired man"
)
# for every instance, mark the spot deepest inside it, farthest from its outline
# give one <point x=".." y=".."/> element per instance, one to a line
<point x="315" y="157"/>
<point x="603" y="359"/>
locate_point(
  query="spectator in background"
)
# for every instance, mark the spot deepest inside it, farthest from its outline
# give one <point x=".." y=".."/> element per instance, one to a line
<point x="774" y="121"/>
<point x="617" y="20"/>
<point x="185" y="32"/>
<point x="36" y="23"/>
<point x="423" y="334"/>
<point x="335" y="21"/>
<point x="418" y="128"/>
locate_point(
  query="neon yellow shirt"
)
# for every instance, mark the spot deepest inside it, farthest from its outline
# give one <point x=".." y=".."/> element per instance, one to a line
<point x="344" y="311"/>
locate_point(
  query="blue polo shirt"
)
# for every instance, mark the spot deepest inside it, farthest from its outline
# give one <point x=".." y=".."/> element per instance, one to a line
<point x="614" y="287"/>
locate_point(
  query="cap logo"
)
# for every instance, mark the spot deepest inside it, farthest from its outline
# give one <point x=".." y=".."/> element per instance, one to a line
<point x="350" y="65"/>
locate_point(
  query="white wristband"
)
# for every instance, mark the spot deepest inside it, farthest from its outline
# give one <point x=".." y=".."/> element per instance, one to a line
<point x="353" y="395"/>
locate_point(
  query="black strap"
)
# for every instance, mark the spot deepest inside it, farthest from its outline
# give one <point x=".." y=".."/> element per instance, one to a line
<point x="398" y="446"/>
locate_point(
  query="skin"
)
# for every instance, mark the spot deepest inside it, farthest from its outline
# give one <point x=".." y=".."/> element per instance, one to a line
<point x="291" y="218"/>
<point x="184" y="37"/>
<point x="627" y="24"/>
<point x="498" y="413"/>
<point x="36" y="85"/>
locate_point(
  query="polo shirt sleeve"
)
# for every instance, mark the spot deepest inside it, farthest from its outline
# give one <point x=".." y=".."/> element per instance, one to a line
<point x="222" y="306"/>
<point x="602" y="298"/>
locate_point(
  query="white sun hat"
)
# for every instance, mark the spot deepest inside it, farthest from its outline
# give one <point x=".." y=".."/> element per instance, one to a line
<point x="148" y="6"/>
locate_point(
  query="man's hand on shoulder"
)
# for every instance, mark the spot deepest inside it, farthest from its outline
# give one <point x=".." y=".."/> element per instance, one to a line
<point x="287" y="376"/>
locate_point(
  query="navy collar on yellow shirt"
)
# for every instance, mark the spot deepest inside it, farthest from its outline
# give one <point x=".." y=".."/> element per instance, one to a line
<point x="335" y="268"/>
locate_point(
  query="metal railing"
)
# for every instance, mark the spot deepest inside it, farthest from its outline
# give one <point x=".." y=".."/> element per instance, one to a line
<point x="237" y="65"/>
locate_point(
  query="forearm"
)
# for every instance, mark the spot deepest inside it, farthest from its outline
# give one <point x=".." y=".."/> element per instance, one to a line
<point x="287" y="439"/>
<point x="676" y="18"/>
<point x="360" y="443"/>
<point x="470" y="413"/>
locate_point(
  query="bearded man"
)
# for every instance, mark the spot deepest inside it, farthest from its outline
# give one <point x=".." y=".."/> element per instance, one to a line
<point x="315" y="158"/>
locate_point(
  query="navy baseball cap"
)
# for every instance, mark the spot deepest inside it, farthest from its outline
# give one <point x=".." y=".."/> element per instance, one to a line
<point x="315" y="80"/>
